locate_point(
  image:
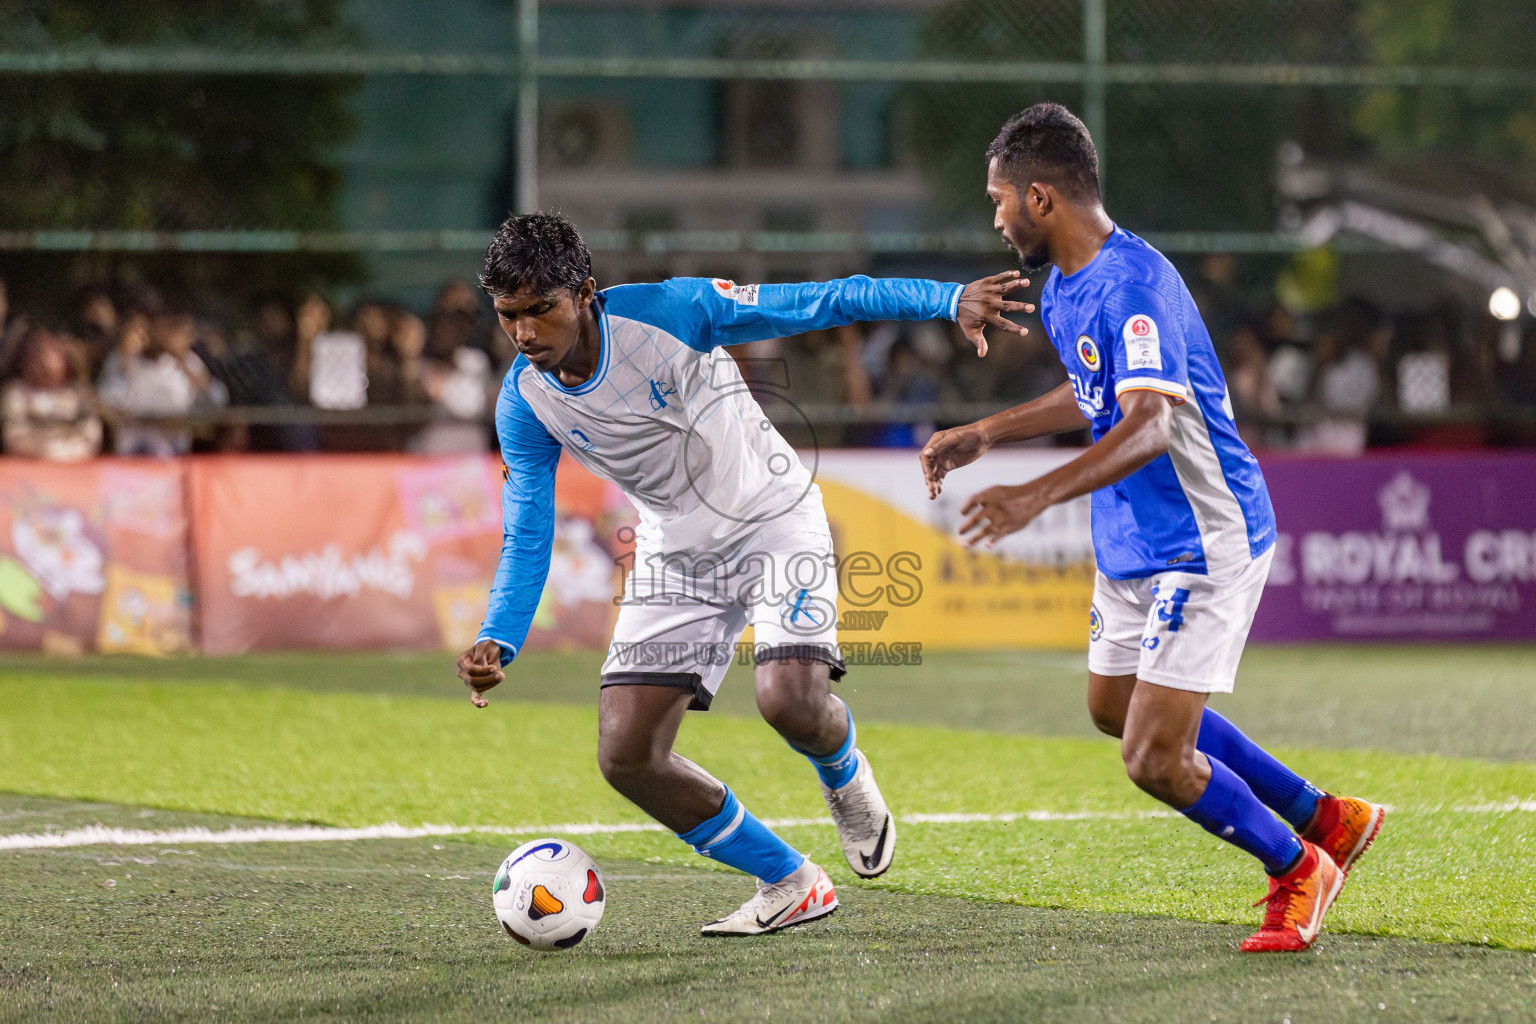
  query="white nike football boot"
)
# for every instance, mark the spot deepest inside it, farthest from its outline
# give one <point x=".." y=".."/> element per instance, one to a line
<point x="864" y="823"/>
<point x="804" y="895"/>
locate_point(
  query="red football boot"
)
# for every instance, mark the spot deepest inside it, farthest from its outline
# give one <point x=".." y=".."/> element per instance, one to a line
<point x="1297" y="903"/>
<point x="1344" y="827"/>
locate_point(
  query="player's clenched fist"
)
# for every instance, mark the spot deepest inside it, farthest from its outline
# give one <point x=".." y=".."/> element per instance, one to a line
<point x="951" y="449"/>
<point x="982" y="305"/>
<point x="480" y="668"/>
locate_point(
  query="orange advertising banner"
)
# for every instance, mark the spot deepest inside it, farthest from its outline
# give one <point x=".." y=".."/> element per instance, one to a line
<point x="357" y="552"/>
<point x="93" y="557"/>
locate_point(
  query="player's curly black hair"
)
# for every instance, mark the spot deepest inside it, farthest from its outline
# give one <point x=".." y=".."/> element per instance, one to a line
<point x="540" y="251"/>
<point x="1048" y="143"/>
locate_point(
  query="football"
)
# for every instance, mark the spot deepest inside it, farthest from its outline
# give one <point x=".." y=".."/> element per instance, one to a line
<point x="548" y="894"/>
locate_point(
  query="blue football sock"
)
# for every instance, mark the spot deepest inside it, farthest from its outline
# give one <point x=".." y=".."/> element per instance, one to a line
<point x="838" y="768"/>
<point x="1280" y="789"/>
<point x="1229" y="810"/>
<point x="737" y="838"/>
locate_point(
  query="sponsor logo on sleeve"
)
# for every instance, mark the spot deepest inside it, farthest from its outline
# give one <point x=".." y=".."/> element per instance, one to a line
<point x="1088" y="352"/>
<point x="1143" y="349"/>
<point x="742" y="294"/>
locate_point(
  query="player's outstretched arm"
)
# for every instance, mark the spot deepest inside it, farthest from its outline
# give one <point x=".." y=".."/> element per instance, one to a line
<point x="713" y="313"/>
<point x="1140" y="436"/>
<point x="1055" y="412"/>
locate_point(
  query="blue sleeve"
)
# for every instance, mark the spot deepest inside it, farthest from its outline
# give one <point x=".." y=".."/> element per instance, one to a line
<point x="705" y="314"/>
<point x="529" y="456"/>
<point x="1146" y="332"/>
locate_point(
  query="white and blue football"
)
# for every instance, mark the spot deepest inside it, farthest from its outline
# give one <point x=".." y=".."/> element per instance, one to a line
<point x="548" y="894"/>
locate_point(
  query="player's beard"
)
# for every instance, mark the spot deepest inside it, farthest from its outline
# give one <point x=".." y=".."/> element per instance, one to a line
<point x="1036" y="259"/>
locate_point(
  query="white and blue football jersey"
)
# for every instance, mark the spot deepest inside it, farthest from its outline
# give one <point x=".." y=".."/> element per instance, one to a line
<point x="667" y="417"/>
<point x="1125" y="322"/>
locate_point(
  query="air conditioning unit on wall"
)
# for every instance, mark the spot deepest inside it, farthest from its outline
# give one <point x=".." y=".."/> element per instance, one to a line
<point x="582" y="133"/>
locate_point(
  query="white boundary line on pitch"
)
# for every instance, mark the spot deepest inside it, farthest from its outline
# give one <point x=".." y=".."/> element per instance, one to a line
<point x="102" y="835"/>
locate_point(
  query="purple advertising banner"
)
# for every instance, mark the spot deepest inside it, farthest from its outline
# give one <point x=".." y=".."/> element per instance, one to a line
<point x="1405" y="547"/>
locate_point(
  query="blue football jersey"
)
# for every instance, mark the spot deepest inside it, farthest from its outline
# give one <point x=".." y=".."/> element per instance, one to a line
<point x="1125" y="322"/>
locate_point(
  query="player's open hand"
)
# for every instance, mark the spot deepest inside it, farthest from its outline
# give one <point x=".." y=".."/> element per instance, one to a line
<point x="951" y="449"/>
<point x="480" y="668"/>
<point x="996" y="512"/>
<point x="982" y="305"/>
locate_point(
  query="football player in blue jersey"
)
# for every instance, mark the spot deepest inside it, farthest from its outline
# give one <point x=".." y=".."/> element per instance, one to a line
<point x="634" y="383"/>
<point x="1183" y="530"/>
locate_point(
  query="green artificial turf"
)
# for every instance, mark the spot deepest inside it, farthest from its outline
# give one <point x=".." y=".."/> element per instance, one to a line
<point x="1461" y="701"/>
<point x="356" y="759"/>
<point x="1125" y="917"/>
<point x="398" y="930"/>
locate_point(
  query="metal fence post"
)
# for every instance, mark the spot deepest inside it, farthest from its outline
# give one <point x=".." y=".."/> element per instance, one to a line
<point x="527" y="106"/>
<point x="1095" y="56"/>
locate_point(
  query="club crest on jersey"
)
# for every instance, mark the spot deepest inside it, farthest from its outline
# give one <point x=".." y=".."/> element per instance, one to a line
<point x="1095" y="623"/>
<point x="1143" y="348"/>
<point x="742" y="294"/>
<point x="1088" y="352"/>
<point x="659" y="393"/>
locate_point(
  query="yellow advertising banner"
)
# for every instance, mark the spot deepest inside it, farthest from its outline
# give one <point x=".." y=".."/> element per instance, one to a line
<point x="905" y="576"/>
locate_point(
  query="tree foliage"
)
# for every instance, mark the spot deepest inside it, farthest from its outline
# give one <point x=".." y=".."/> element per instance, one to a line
<point x="1201" y="157"/>
<point x="1492" y="124"/>
<point x="171" y="152"/>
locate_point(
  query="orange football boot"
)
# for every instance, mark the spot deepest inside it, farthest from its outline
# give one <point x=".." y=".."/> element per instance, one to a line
<point x="1297" y="902"/>
<point x="1344" y="827"/>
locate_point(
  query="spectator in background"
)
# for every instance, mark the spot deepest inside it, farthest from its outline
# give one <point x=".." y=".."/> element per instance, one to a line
<point x="123" y="362"/>
<point x="1255" y="400"/>
<point x="461" y="298"/>
<point x="458" y="379"/>
<point x="251" y="364"/>
<point x="398" y="374"/>
<point x="48" y="411"/>
<point x="95" y="324"/>
<point x="817" y="369"/>
<point x="908" y="381"/>
<point x="372" y="320"/>
<point x="153" y="373"/>
<point x="1218" y="297"/>
<point x="1423" y="379"/>
<point x="1290" y="356"/>
<point x="1346" y="381"/>
<point x="311" y="319"/>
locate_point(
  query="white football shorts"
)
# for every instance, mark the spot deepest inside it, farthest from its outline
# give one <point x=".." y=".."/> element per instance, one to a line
<point x="1176" y="629"/>
<point x="683" y="617"/>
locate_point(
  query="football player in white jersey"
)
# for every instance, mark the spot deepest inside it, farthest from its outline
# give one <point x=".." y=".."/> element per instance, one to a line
<point x="633" y="382"/>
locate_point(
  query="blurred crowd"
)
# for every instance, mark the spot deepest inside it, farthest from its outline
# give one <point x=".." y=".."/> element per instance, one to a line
<point x="1311" y="372"/>
<point x="128" y="371"/>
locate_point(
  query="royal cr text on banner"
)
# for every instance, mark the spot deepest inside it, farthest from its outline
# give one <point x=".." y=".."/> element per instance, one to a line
<point x="1408" y="548"/>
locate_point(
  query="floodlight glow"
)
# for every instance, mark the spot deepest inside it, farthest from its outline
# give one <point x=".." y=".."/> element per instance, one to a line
<point x="1504" y="303"/>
